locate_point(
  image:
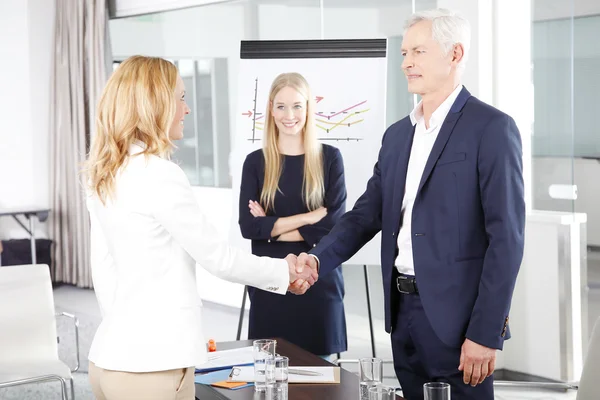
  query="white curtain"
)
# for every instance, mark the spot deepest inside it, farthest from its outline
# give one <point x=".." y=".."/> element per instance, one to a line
<point x="82" y="62"/>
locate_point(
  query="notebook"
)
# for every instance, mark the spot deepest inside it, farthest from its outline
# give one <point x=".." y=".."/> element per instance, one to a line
<point x="212" y="377"/>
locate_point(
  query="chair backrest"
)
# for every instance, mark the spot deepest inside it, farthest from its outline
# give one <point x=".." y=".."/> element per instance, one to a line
<point x="590" y="377"/>
<point x="27" y="315"/>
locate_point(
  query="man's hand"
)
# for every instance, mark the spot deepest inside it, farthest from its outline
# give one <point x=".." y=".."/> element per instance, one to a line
<point x="301" y="279"/>
<point x="477" y="362"/>
<point x="305" y="259"/>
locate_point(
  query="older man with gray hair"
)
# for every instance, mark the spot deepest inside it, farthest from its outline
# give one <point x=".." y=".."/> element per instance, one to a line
<point x="447" y="195"/>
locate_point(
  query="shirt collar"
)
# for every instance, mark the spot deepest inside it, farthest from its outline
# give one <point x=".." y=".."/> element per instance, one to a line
<point x="137" y="147"/>
<point x="439" y="115"/>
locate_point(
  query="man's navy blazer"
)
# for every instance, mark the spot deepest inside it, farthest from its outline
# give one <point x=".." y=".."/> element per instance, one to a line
<point x="468" y="222"/>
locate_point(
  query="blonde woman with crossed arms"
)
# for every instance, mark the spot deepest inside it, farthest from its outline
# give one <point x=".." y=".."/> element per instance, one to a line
<point x="147" y="234"/>
<point x="292" y="193"/>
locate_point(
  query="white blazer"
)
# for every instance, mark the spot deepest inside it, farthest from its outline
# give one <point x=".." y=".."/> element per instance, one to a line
<point x="145" y="244"/>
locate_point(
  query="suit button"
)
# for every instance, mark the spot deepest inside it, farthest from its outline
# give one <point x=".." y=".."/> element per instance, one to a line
<point x="393" y="233"/>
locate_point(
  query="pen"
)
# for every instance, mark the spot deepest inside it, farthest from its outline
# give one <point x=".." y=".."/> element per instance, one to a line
<point x="303" y="372"/>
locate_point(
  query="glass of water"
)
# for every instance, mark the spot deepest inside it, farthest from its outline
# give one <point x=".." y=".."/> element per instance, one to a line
<point x="370" y="373"/>
<point x="381" y="392"/>
<point x="263" y="350"/>
<point x="436" y="391"/>
<point x="276" y="378"/>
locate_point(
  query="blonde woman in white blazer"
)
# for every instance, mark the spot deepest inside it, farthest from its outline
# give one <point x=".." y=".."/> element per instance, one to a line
<point x="147" y="234"/>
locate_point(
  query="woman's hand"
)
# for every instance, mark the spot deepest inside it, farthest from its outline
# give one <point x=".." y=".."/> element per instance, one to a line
<point x="315" y="216"/>
<point x="256" y="209"/>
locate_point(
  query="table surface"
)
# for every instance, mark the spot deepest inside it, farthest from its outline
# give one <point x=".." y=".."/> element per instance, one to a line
<point x="347" y="389"/>
<point x="23" y="210"/>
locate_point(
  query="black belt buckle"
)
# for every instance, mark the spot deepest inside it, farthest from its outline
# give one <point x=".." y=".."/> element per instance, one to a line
<point x="406" y="284"/>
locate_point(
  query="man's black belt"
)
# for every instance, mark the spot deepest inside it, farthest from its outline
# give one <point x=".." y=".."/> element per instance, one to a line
<point x="406" y="284"/>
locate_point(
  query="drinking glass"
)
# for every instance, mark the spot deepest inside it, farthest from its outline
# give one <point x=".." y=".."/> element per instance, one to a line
<point x="263" y="349"/>
<point x="276" y="378"/>
<point x="436" y="391"/>
<point x="370" y="372"/>
<point x="381" y="392"/>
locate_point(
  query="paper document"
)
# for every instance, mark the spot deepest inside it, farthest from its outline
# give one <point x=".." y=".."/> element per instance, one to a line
<point x="227" y="359"/>
<point x="212" y="377"/>
<point x="314" y="374"/>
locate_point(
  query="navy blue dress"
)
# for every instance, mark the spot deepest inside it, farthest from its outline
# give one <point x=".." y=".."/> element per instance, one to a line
<point x="314" y="321"/>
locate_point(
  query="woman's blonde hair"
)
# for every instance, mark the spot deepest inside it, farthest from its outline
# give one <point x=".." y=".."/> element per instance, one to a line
<point x="137" y="105"/>
<point x="313" y="181"/>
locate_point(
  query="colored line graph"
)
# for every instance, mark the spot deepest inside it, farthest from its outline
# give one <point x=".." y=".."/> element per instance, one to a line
<point x="260" y="125"/>
<point x="342" y="122"/>
<point x="326" y="122"/>
<point x="340" y="112"/>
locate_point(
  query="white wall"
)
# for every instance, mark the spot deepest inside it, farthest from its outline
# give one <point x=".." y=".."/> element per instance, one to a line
<point x="16" y="141"/>
<point x="24" y="105"/>
<point x="41" y="42"/>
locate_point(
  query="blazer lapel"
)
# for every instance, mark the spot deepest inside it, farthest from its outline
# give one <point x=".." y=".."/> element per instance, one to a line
<point x="403" y="154"/>
<point x="445" y="133"/>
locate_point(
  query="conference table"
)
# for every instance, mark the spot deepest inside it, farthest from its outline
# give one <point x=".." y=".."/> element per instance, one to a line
<point x="347" y="389"/>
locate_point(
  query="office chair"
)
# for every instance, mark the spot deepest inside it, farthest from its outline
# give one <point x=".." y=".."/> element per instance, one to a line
<point x="28" y="339"/>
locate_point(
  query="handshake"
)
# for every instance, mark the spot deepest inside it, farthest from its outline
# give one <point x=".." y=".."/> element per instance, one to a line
<point x="303" y="272"/>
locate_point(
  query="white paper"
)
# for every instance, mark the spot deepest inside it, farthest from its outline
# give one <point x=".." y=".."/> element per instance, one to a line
<point x="228" y="358"/>
<point x="246" y="374"/>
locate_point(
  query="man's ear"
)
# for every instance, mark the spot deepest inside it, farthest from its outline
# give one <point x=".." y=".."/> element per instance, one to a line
<point x="458" y="52"/>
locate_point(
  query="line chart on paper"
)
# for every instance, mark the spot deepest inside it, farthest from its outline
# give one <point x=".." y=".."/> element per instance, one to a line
<point x="333" y="123"/>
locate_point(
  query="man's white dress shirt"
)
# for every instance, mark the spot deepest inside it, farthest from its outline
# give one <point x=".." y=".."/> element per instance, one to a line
<point x="423" y="141"/>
